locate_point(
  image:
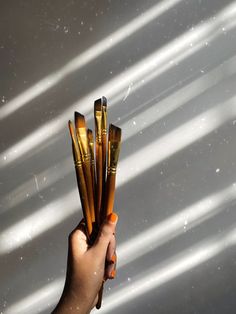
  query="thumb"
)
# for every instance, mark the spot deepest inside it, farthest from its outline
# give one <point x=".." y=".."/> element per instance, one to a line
<point x="106" y="232"/>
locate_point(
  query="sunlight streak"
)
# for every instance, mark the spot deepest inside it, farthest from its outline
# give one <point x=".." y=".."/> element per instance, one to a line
<point x="87" y="56"/>
<point x="141" y="284"/>
<point x="40" y="221"/>
<point x="169" y="270"/>
<point x="154" y="113"/>
<point x="175" y="225"/>
<point x="145" y="158"/>
<point x="41" y="299"/>
<point x="176" y="140"/>
<point x="119" y="83"/>
<point x="178" y="99"/>
<point x="28" y="189"/>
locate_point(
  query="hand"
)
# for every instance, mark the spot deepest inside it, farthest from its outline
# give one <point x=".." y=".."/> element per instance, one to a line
<point x="87" y="267"/>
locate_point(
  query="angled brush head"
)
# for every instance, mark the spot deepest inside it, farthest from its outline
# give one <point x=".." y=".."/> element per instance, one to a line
<point x="71" y="128"/>
<point x="79" y="120"/>
<point x="98" y="105"/>
<point x="104" y="103"/>
<point x="114" y="133"/>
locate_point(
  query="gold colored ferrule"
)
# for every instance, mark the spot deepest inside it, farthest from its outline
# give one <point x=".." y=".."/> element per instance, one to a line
<point x="99" y="138"/>
<point x="78" y="163"/>
<point x="83" y="144"/>
<point x="111" y="170"/>
<point x="98" y="120"/>
<point x="104" y="120"/>
<point x="113" y="155"/>
<point x="86" y="157"/>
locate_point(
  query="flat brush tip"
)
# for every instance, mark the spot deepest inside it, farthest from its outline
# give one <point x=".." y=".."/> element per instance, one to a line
<point x="114" y="133"/>
<point x="79" y="120"/>
<point x="98" y="105"/>
<point x="104" y="101"/>
<point x="70" y="125"/>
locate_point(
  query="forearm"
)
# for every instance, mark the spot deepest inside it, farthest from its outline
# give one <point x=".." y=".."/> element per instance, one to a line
<point x="70" y="303"/>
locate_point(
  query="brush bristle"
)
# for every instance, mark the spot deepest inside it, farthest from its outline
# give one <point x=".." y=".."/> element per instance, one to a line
<point x="114" y="133"/>
<point x="104" y="101"/>
<point x="71" y="128"/>
<point x="79" y="120"/>
<point x="98" y="105"/>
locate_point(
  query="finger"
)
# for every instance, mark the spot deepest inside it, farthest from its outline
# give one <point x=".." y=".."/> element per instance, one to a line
<point x="110" y="270"/>
<point x="105" y="235"/>
<point x="78" y="239"/>
<point x="110" y="256"/>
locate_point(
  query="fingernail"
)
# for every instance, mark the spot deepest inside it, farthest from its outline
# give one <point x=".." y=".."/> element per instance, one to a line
<point x="113" y="274"/>
<point x="113" y="258"/>
<point x="112" y="218"/>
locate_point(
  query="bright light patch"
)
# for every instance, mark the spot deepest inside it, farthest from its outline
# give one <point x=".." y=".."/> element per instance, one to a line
<point x="38" y="301"/>
<point x="169" y="270"/>
<point x="145" y="158"/>
<point x="118" y="84"/>
<point x="177" y="224"/>
<point x="175" y="141"/>
<point x="154" y="113"/>
<point x="36" y="184"/>
<point x="40" y="221"/>
<point x="86" y="57"/>
<point x="162" y="108"/>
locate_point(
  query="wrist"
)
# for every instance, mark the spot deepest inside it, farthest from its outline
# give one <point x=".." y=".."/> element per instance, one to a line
<point x="71" y="303"/>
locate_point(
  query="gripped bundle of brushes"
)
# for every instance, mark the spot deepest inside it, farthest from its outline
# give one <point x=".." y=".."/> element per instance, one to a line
<point x="95" y="178"/>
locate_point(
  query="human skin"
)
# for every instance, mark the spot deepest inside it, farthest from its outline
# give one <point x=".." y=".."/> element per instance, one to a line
<point x="87" y="267"/>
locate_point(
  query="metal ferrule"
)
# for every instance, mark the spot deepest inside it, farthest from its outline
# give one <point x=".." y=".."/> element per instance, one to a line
<point x="111" y="170"/>
<point x="86" y="157"/>
<point x="84" y="143"/>
<point x="113" y="155"/>
<point x="78" y="163"/>
<point x="98" y="119"/>
<point x="91" y="147"/>
<point x="104" y="121"/>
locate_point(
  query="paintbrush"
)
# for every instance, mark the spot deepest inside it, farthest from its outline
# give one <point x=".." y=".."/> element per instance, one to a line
<point x="104" y="146"/>
<point x="99" y="165"/>
<point x="91" y="150"/>
<point x="114" y="139"/>
<point x="86" y="159"/>
<point x="80" y="180"/>
<point x="104" y="135"/>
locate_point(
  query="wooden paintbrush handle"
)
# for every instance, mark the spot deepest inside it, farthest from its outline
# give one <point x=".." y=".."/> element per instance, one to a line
<point x="110" y="196"/>
<point x="84" y="199"/>
<point x="89" y="185"/>
<point x="110" y="193"/>
<point x="99" y="177"/>
<point x="100" y="293"/>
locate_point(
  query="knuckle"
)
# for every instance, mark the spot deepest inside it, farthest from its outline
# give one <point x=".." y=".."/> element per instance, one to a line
<point x="73" y="235"/>
<point x="106" y="230"/>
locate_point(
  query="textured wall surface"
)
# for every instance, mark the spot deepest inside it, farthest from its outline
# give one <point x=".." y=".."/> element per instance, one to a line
<point x="168" y="70"/>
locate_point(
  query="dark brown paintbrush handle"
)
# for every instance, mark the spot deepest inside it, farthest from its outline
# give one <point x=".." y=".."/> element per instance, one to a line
<point x="89" y="185"/>
<point x="99" y="177"/>
<point x="100" y="293"/>
<point x="104" y="144"/>
<point x="93" y="179"/>
<point x="84" y="198"/>
<point x="110" y="193"/>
